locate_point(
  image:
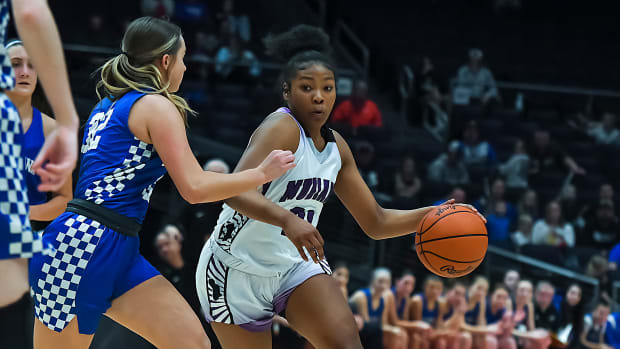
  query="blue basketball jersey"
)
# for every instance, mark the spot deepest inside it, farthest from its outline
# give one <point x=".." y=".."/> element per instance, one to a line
<point x="471" y="316"/>
<point x="117" y="170"/>
<point x="400" y="307"/>
<point x="33" y="142"/>
<point x="373" y="314"/>
<point x="493" y="318"/>
<point x="429" y="316"/>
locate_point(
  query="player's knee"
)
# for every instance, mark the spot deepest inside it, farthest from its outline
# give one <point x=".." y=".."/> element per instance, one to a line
<point x="491" y="342"/>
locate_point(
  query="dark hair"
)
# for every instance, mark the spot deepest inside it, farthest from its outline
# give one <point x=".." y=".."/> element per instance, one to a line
<point x="406" y="272"/>
<point x="500" y="286"/>
<point x="146" y="40"/>
<point x="432" y="278"/>
<point x="572" y="314"/>
<point x="299" y="48"/>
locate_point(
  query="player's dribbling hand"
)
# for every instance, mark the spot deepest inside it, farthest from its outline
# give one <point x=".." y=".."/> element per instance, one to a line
<point x="451" y="202"/>
<point x="303" y="234"/>
<point x="276" y="164"/>
<point x="57" y="158"/>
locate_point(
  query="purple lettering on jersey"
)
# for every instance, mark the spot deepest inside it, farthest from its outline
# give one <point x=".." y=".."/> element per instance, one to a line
<point x="317" y="189"/>
<point x="327" y="186"/>
<point x="305" y="188"/>
<point x="291" y="190"/>
<point x="311" y="192"/>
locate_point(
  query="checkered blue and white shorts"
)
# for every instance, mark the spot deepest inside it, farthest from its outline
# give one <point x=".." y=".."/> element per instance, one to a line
<point x="88" y="266"/>
<point x="17" y="239"/>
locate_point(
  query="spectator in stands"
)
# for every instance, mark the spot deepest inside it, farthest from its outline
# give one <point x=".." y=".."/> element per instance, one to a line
<point x="217" y="165"/>
<point x="458" y="194"/>
<point x="568" y="201"/>
<point x="190" y="12"/>
<point x="524" y="319"/>
<point x="511" y="280"/>
<point x="475" y="315"/>
<point x="496" y="195"/>
<point x="169" y="245"/>
<point x="435" y="107"/>
<point x="602" y="230"/>
<point x="498" y="225"/>
<point x="571" y="317"/>
<point x="603" y="132"/>
<point x="614" y="257"/>
<point x="407" y="184"/>
<point x="547" y="155"/>
<point x="593" y="334"/>
<point x="401" y="291"/>
<point x="425" y="307"/>
<point x="545" y="314"/>
<point x="516" y="169"/>
<point x="449" y="168"/>
<point x="523" y="235"/>
<point x="371" y="304"/>
<point x="452" y="320"/>
<point x="370" y="333"/>
<point x="365" y="157"/>
<point x="478" y="155"/>
<point x="237" y="23"/>
<point x="529" y="204"/>
<point x="359" y="110"/>
<point x="606" y="192"/>
<point x="234" y="62"/>
<point x="341" y="274"/>
<point x="499" y="315"/>
<point x="552" y="230"/>
<point x="598" y="268"/>
<point x="157" y="8"/>
<point x="476" y="80"/>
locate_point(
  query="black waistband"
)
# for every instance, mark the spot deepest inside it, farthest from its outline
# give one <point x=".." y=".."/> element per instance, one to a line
<point x="105" y="216"/>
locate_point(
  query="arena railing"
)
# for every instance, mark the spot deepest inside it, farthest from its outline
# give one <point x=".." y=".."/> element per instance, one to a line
<point x="495" y="252"/>
<point x="341" y="30"/>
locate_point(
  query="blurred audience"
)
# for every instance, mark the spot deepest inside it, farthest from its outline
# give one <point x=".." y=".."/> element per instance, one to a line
<point x="237" y="24"/>
<point x="407" y="184"/>
<point x="528" y="204"/>
<point x="516" y="169"/>
<point x="603" y="132"/>
<point x="511" y="281"/>
<point x="523" y="235"/>
<point x="545" y="314"/>
<point x="478" y="155"/>
<point x="603" y="230"/>
<point x="547" y="155"/>
<point x="498" y="225"/>
<point x="234" y="62"/>
<point x="553" y="230"/>
<point x="475" y="81"/>
<point x="598" y="267"/>
<point x="435" y="107"/>
<point x="157" y="8"/>
<point x="449" y="168"/>
<point x="571" y="317"/>
<point x="595" y="326"/>
<point x="359" y="110"/>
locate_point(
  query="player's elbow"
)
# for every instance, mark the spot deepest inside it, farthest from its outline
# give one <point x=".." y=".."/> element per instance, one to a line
<point x="30" y="12"/>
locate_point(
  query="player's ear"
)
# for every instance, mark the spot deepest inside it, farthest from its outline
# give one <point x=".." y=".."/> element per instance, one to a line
<point x="285" y="91"/>
<point x="165" y="61"/>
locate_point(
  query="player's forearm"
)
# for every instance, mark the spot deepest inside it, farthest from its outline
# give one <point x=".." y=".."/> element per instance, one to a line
<point x="392" y="223"/>
<point x="212" y="186"/>
<point x="254" y="205"/>
<point x="49" y="210"/>
<point x="37" y="29"/>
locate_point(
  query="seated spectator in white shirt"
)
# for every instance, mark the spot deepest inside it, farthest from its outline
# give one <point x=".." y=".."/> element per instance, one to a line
<point x="523" y="235"/>
<point x="552" y="230"/>
<point x="476" y="79"/>
<point x="448" y="168"/>
<point x="517" y="168"/>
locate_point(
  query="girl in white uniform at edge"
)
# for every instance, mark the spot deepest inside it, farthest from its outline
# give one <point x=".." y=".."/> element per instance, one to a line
<point x="249" y="270"/>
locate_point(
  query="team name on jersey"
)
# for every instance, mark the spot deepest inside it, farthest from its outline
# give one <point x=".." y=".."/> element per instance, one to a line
<point x="308" y="189"/>
<point x="28" y="165"/>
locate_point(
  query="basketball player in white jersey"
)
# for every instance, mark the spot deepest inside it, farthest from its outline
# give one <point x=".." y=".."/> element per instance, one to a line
<point x="256" y="262"/>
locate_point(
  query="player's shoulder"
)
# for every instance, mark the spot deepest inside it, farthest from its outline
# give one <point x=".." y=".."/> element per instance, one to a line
<point x="279" y="121"/>
<point x="48" y="123"/>
<point x="416" y="298"/>
<point x="154" y="105"/>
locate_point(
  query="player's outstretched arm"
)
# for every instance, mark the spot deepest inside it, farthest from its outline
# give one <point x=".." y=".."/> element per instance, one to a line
<point x="154" y="119"/>
<point x="37" y="29"/>
<point x="377" y="222"/>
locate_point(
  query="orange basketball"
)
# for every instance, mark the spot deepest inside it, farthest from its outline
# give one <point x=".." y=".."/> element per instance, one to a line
<point x="451" y="241"/>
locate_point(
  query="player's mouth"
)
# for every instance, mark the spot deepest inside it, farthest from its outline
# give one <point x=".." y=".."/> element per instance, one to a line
<point x="318" y="112"/>
<point x="24" y="83"/>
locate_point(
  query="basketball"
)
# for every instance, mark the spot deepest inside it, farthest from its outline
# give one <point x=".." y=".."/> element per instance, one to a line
<point x="451" y="241"/>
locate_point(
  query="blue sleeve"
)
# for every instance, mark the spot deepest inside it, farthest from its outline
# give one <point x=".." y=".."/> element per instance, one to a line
<point x="614" y="255"/>
<point x="492" y="156"/>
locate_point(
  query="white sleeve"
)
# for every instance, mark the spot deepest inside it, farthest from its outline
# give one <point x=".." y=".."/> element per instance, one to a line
<point x="569" y="234"/>
<point x="539" y="232"/>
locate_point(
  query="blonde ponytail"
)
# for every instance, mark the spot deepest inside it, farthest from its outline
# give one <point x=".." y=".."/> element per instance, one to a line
<point x="134" y="69"/>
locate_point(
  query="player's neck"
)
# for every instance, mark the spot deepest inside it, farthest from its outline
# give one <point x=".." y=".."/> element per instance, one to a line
<point x="24" y="106"/>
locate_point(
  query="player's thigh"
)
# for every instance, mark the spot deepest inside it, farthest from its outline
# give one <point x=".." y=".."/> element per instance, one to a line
<point x="156" y="311"/>
<point x="235" y="337"/>
<point x="317" y="310"/>
<point x="69" y="338"/>
<point x="13" y="280"/>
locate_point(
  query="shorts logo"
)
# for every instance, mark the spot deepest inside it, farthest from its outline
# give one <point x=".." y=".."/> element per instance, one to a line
<point x="230" y="229"/>
<point x="217" y="291"/>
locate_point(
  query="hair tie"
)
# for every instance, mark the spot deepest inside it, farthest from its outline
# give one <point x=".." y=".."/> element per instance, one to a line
<point x="125" y="53"/>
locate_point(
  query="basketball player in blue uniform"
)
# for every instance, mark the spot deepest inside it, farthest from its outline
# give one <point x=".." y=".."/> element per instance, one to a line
<point x="250" y="270"/>
<point x="55" y="161"/>
<point x="36" y="127"/>
<point x="133" y="136"/>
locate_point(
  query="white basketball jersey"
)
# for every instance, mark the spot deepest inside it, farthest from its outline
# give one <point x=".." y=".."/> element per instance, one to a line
<point x="263" y="249"/>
